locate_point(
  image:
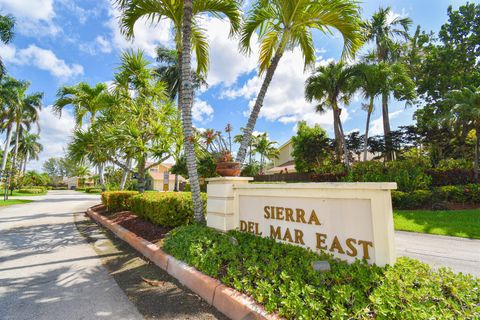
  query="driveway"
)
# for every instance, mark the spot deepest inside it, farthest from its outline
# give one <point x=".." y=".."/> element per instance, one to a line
<point x="48" y="271"/>
<point x="462" y="255"/>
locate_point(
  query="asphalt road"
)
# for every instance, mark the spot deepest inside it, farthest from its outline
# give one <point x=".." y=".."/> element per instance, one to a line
<point x="48" y="270"/>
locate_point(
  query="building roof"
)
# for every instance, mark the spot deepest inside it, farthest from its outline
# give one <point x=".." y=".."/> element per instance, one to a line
<point x="288" y="166"/>
<point x="167" y="165"/>
<point x="159" y="176"/>
<point x="285" y="144"/>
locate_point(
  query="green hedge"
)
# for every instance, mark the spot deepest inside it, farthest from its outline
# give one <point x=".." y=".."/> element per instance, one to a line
<point x="169" y="209"/>
<point x="31" y="190"/>
<point x="93" y="190"/>
<point x="80" y="189"/>
<point x="437" y="198"/>
<point x="116" y="201"/>
<point x="280" y="277"/>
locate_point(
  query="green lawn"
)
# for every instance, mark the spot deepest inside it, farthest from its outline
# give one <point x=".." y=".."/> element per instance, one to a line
<point x="458" y="223"/>
<point x="13" y="201"/>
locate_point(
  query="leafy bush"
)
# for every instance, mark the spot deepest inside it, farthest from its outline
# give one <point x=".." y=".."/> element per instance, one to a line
<point x="31" y="190"/>
<point x="368" y="171"/>
<point x="116" y="201"/>
<point x="328" y="177"/>
<point x="280" y="277"/>
<point x="80" y="189"/>
<point x="61" y="188"/>
<point x="451" y="176"/>
<point x="169" y="209"/>
<point x="409" y="174"/>
<point x="93" y="190"/>
<point x="411" y="200"/>
<point x="454" y="164"/>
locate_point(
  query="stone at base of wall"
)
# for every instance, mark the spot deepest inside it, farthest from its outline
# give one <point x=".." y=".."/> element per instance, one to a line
<point x="228" y="301"/>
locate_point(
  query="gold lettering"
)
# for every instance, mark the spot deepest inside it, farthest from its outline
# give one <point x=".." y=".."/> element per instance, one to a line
<point x="336" y="246"/>
<point x="279" y="213"/>
<point x="267" y="212"/>
<point x="350" y="245"/>
<point x="299" y="236"/>
<point x="256" y="230"/>
<point x="243" y="225"/>
<point x="321" y="237"/>
<point x="275" y="233"/>
<point x="314" y="218"/>
<point x="289" y="214"/>
<point x="300" y="215"/>
<point x="287" y="236"/>
<point x="251" y="226"/>
<point x="365" y="245"/>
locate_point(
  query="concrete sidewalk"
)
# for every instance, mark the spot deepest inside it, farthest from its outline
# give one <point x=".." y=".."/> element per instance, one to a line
<point x="462" y="255"/>
<point x="48" y="271"/>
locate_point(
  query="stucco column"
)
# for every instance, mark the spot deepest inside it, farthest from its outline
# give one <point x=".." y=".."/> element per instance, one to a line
<point x="220" y="203"/>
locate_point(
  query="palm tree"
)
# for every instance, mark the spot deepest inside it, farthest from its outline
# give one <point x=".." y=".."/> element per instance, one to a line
<point x="285" y="24"/>
<point x="169" y="72"/>
<point x="7" y="23"/>
<point x="383" y="30"/>
<point x="86" y="101"/>
<point x="330" y="85"/>
<point x="266" y="149"/>
<point x="173" y="10"/>
<point x="370" y="79"/>
<point x="29" y="147"/>
<point x="466" y="105"/>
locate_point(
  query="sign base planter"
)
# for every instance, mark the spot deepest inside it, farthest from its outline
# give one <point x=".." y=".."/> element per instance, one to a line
<point x="228" y="301"/>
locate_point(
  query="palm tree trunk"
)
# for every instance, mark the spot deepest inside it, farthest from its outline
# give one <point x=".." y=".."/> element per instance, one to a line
<point x="342" y="140"/>
<point x="386" y="128"/>
<point x="247" y="133"/>
<point x="180" y="93"/>
<point x="338" y="144"/>
<point x="126" y="170"/>
<point x="365" y="144"/>
<point x="477" y="132"/>
<point x="6" y="148"/>
<point x="17" y="140"/>
<point x="101" y="175"/>
<point x="25" y="163"/>
<point x="175" y="188"/>
<point x="141" y="174"/>
<point x="187" y="97"/>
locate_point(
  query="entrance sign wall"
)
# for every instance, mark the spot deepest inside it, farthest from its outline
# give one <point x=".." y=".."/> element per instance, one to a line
<point x="349" y="220"/>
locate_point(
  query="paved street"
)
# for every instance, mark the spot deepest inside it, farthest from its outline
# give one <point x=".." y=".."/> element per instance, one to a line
<point x="462" y="255"/>
<point x="48" y="271"/>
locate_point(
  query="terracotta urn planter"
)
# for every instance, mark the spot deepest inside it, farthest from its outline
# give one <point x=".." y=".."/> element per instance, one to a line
<point x="229" y="169"/>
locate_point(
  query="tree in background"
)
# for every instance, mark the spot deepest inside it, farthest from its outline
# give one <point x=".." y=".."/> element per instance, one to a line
<point x="311" y="147"/>
<point x="7" y="24"/>
<point x="330" y="86"/>
<point x="29" y="148"/>
<point x="384" y="32"/>
<point x="355" y="143"/>
<point x="284" y="25"/>
<point x="266" y="149"/>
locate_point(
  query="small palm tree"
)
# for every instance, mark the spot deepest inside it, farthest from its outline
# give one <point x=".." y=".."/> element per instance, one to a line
<point x="383" y="31"/>
<point x="285" y="24"/>
<point x="86" y="101"/>
<point x="330" y="85"/>
<point x="29" y="147"/>
<point x="7" y="23"/>
<point x="266" y="149"/>
<point x="466" y="105"/>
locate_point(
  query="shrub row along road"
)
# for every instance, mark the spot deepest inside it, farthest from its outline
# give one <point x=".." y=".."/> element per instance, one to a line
<point x="49" y="271"/>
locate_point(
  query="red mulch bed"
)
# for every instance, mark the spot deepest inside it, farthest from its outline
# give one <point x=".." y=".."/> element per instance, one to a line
<point x="131" y="222"/>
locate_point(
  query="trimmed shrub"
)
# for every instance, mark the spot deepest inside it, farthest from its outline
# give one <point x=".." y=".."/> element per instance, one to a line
<point x="31" y="190"/>
<point x="441" y="177"/>
<point x="409" y="174"/>
<point x="168" y="209"/>
<point x="43" y="188"/>
<point x="93" y="190"/>
<point x="368" y="171"/>
<point x="412" y="200"/>
<point x="61" y="188"/>
<point x="280" y="277"/>
<point x="116" y="201"/>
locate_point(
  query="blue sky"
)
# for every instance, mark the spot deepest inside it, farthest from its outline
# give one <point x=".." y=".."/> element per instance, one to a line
<point x="62" y="42"/>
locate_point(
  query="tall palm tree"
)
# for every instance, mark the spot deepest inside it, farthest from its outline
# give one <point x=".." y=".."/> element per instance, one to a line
<point x="29" y="147"/>
<point x="266" y="149"/>
<point x="330" y="85"/>
<point x="370" y="79"/>
<point x="7" y="23"/>
<point x="86" y="101"/>
<point x="187" y="101"/>
<point x="24" y="112"/>
<point x="384" y="30"/>
<point x="285" y="24"/>
<point x="157" y="10"/>
<point x="466" y="105"/>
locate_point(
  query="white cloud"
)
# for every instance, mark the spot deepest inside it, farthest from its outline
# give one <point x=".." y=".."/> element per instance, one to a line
<point x="227" y="63"/>
<point x="285" y="100"/>
<point x="100" y="44"/>
<point x="202" y="111"/>
<point x="147" y="35"/>
<point x="376" y="126"/>
<point x="54" y="136"/>
<point x="41" y="58"/>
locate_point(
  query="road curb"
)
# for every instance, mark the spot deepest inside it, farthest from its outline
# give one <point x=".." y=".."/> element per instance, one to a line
<point x="228" y="301"/>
